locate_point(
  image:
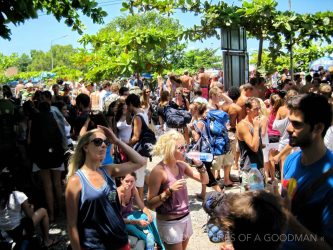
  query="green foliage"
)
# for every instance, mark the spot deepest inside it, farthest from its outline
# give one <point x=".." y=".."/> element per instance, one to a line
<point x="192" y="60"/>
<point x="68" y="73"/>
<point x="23" y="62"/>
<point x="17" y="12"/>
<point x="41" y="61"/>
<point x="8" y="61"/>
<point x="136" y="43"/>
<point x="302" y="58"/>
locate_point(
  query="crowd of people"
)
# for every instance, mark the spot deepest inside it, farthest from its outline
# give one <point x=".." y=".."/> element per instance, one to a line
<point x="90" y="140"/>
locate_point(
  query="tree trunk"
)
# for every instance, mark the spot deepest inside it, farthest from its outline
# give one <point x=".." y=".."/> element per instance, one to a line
<point x="291" y="60"/>
<point x="261" y="42"/>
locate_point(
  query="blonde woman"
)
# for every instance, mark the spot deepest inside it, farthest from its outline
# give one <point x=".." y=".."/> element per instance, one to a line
<point x="167" y="191"/>
<point x="93" y="209"/>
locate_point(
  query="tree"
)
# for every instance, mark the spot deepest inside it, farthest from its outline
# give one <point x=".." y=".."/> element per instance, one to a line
<point x="41" y="61"/>
<point x="282" y="30"/>
<point x="302" y="56"/>
<point x="23" y="62"/>
<point x="192" y="60"/>
<point x="17" y="12"/>
<point x="135" y="43"/>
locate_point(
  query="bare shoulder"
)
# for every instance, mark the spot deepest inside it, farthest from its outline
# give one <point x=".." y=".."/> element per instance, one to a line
<point x="74" y="183"/>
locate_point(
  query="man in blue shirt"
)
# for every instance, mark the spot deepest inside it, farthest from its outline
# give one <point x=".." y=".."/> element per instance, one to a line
<point x="310" y="117"/>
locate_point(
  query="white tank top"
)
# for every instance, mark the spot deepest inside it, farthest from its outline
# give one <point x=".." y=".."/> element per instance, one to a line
<point x="125" y="131"/>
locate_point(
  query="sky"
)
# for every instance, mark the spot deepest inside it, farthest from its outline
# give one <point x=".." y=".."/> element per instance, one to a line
<point x="40" y="33"/>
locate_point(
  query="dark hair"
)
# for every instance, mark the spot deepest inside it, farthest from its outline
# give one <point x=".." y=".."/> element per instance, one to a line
<point x="315" y="109"/>
<point x="44" y="107"/>
<point x="122" y="90"/>
<point x="83" y="99"/>
<point x="234" y="93"/>
<point x="134" y="100"/>
<point x="97" y="119"/>
<point x="47" y="94"/>
<point x="248" y="103"/>
<point x="59" y="105"/>
<point x="276" y="103"/>
<point x="164" y="96"/>
<point x="197" y="91"/>
<point x="264" y="215"/>
<point x="308" y="78"/>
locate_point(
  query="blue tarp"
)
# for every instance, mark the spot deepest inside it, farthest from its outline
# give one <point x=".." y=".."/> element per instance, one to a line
<point x="34" y="80"/>
<point x="325" y="61"/>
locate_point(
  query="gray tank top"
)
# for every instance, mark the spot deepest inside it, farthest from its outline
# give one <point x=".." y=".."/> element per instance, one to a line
<point x="177" y="203"/>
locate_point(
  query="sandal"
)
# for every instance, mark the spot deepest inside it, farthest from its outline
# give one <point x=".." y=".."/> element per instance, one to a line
<point x="199" y="197"/>
<point x="53" y="242"/>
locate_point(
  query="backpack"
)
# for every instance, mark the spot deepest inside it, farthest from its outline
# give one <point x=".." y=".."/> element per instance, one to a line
<point x="176" y="118"/>
<point x="215" y="123"/>
<point x="146" y="141"/>
<point x="46" y="141"/>
<point x="216" y="206"/>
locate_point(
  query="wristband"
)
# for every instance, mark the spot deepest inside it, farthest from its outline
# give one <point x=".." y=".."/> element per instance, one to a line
<point x="200" y="167"/>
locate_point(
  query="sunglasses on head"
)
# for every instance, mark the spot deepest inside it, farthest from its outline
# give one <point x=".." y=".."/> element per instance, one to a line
<point x="99" y="141"/>
<point x="181" y="147"/>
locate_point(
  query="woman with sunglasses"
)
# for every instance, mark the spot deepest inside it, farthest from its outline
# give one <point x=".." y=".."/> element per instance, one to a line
<point x="93" y="209"/>
<point x="167" y="191"/>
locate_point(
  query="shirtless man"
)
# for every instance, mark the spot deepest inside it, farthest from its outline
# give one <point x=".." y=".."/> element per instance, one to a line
<point x="203" y="80"/>
<point x="246" y="92"/>
<point x="187" y="81"/>
<point x="18" y="89"/>
<point x="235" y="115"/>
<point x="214" y="80"/>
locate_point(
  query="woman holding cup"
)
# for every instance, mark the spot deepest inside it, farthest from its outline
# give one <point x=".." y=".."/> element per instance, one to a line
<point x="167" y="192"/>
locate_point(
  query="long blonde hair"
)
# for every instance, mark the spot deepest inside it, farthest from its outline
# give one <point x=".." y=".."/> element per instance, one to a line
<point x="166" y="145"/>
<point x="78" y="158"/>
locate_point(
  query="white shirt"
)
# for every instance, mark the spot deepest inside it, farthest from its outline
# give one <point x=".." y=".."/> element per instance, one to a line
<point x="11" y="216"/>
<point x="328" y="139"/>
<point x="125" y="131"/>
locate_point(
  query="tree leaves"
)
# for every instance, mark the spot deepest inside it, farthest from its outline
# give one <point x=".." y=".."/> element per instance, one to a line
<point x="19" y="11"/>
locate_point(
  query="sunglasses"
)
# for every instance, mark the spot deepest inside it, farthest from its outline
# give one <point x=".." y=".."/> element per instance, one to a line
<point x="99" y="141"/>
<point x="147" y="92"/>
<point x="177" y="93"/>
<point x="182" y="147"/>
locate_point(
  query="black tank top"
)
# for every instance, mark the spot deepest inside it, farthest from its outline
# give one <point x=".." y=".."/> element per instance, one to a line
<point x="247" y="155"/>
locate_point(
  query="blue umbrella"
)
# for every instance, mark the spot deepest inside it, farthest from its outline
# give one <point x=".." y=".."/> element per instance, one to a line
<point x="325" y="61"/>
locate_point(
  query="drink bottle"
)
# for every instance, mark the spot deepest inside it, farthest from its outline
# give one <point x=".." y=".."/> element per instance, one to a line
<point x="204" y="157"/>
<point x="150" y="241"/>
<point x="255" y="179"/>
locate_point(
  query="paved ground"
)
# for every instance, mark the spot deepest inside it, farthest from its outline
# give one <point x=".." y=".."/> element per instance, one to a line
<point x="198" y="241"/>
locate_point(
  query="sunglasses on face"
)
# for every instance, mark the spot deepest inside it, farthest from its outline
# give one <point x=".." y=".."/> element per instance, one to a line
<point x="177" y="93"/>
<point x="99" y="141"/>
<point x="181" y="147"/>
<point x="147" y="92"/>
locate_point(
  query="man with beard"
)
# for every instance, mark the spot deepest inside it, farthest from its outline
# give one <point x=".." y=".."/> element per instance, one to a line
<point x="311" y="168"/>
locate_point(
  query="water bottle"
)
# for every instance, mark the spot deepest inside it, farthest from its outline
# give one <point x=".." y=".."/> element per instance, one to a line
<point x="256" y="180"/>
<point x="205" y="157"/>
<point x="150" y="241"/>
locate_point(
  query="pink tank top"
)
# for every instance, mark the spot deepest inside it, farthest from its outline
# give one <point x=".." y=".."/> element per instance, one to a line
<point x="270" y="130"/>
<point x="177" y="203"/>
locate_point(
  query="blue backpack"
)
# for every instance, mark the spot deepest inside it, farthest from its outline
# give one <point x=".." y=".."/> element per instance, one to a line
<point x="217" y="132"/>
